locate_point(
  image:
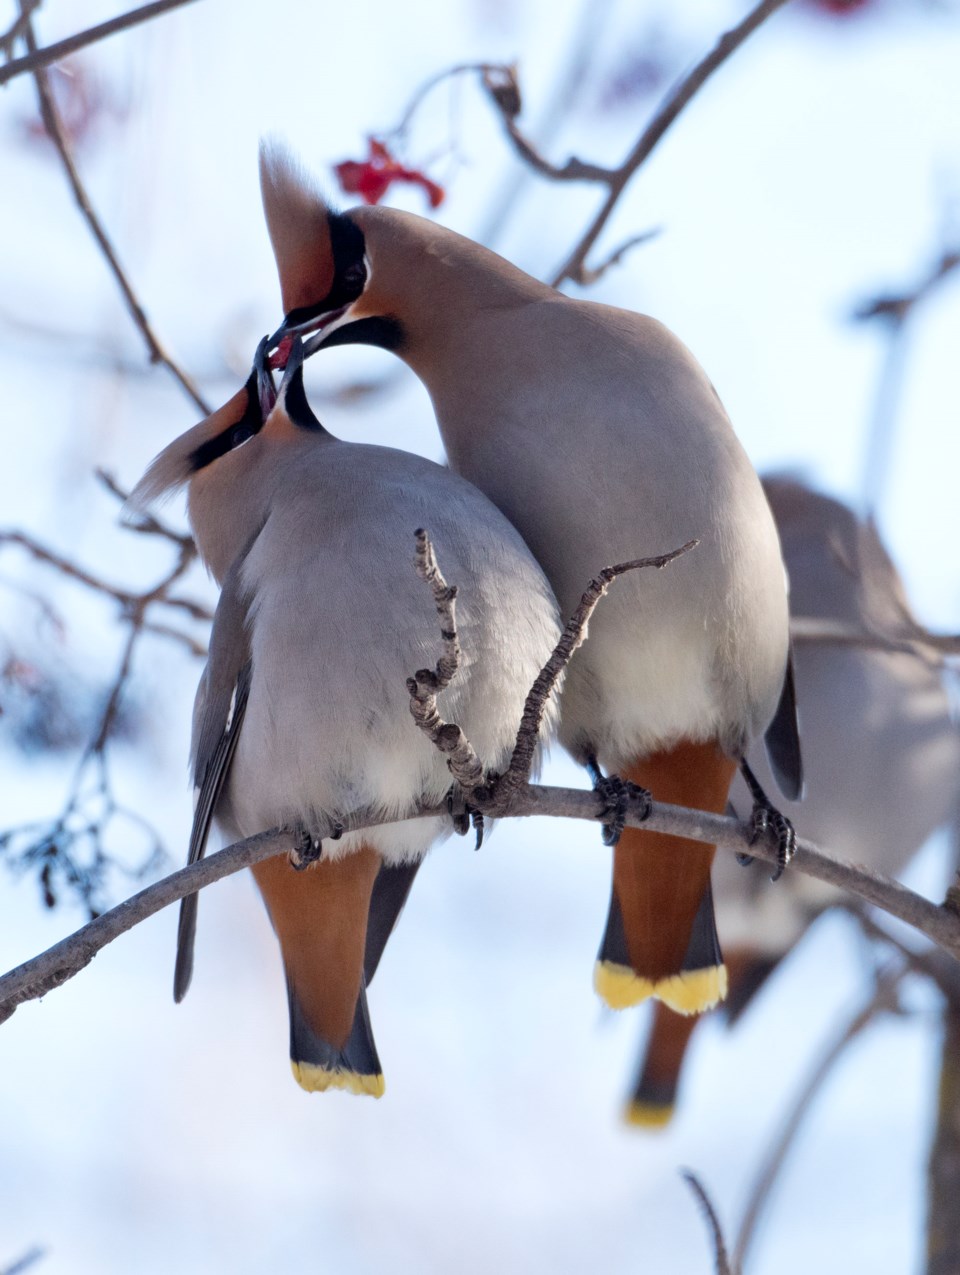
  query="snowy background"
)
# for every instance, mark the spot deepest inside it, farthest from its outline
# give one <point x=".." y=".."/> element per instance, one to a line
<point x="819" y="167"/>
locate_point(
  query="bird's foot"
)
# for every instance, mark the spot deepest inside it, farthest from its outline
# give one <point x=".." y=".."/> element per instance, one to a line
<point x="616" y="793"/>
<point x="767" y="821"/>
<point x="458" y="811"/>
<point x="463" y="815"/>
<point x="308" y="849"/>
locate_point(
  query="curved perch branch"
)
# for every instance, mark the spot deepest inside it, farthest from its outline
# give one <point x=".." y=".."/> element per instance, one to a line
<point x="65" y="959"/>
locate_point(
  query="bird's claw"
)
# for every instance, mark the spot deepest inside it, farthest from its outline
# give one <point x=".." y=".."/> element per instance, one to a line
<point x="767" y="821"/>
<point x="463" y="815"/>
<point x="458" y="812"/>
<point x="616" y="794"/>
<point x="308" y="849"/>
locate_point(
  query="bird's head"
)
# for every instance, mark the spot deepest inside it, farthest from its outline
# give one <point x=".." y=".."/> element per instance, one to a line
<point x="324" y="263"/>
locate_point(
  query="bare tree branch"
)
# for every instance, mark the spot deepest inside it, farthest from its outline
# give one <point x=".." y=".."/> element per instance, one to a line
<point x="426" y="684"/>
<point x="713" y="1222"/>
<point x="36" y="59"/>
<point x="54" y="127"/>
<point x="502" y="85"/>
<point x="31" y="1257"/>
<point x="895" y="311"/>
<point x="462" y="68"/>
<point x="70" y="847"/>
<point x="504" y="89"/>
<point x="518" y="772"/>
<point x="896" y="308"/>
<point x="17" y="28"/>
<point x="883" y="999"/>
<point x="130" y="603"/>
<point x="68" y="957"/>
<point x="574" y="268"/>
<point x="939" y="968"/>
<point x="147" y="523"/>
<point x="943" y="1169"/>
<point x="513" y="799"/>
<point x="911" y="639"/>
<point x="593" y="274"/>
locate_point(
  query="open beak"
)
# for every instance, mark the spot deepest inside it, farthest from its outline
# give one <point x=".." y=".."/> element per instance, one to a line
<point x="266" y="390"/>
<point x="317" y="327"/>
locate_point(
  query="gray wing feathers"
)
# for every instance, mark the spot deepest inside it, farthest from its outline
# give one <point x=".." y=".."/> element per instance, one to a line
<point x="221" y="702"/>
<point x="782" y="740"/>
<point x="390" y="891"/>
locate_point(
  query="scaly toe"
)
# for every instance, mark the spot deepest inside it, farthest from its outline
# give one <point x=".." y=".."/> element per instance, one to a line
<point x="305" y="851"/>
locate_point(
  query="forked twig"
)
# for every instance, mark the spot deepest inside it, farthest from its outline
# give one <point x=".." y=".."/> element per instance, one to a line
<point x="518" y="772"/>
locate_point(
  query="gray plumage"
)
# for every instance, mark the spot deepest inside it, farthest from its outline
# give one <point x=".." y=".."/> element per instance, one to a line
<point x="302" y="714"/>
<point x="599" y="436"/>
<point x="882" y="750"/>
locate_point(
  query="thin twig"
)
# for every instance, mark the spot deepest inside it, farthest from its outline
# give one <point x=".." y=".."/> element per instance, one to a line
<point x="574" y="268"/>
<point x="939" y="968"/>
<point x="427" y="87"/>
<point x="896" y="311"/>
<point x="17" y="28"/>
<point x="177" y="635"/>
<point x="713" y="1222"/>
<point x="528" y="734"/>
<point x="147" y="523"/>
<point x="943" y="1168"/>
<point x="426" y="684"/>
<point x="883" y="999"/>
<point x="943" y="1164"/>
<point x="593" y="274"/>
<point x="70" y="847"/>
<point x="54" y="126"/>
<point x="36" y="59"/>
<point x="30" y="1258"/>
<point x="504" y="89"/>
<point x="129" y="602"/>
<point x="913" y="639"/>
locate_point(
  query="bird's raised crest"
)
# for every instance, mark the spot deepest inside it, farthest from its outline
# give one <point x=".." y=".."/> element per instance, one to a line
<point x="298" y="221"/>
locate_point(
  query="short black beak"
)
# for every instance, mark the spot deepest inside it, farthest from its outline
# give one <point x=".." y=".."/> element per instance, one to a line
<point x="298" y="324"/>
<point x="266" y="389"/>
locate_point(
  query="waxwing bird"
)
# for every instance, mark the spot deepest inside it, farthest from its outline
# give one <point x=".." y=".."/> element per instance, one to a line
<point x="882" y="753"/>
<point x="597" y="434"/>
<point x="302" y="714"/>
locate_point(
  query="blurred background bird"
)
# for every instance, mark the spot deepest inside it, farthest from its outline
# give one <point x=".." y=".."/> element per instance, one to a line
<point x="881" y="750"/>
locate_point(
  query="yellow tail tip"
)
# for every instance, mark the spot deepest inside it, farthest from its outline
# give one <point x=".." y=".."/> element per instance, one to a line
<point x="318" y="1079"/>
<point x="647" y="1115"/>
<point x="619" y="987"/>
<point x="689" y="992"/>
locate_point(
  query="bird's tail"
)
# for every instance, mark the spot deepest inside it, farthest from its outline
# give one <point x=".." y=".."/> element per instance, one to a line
<point x="318" y="1063"/>
<point x="661" y="938"/>
<point x="320" y="918"/>
<point x="654" y="1096"/>
<point x="655" y="1092"/>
